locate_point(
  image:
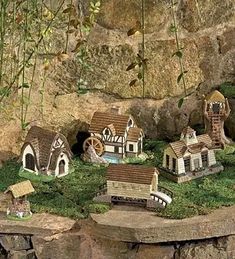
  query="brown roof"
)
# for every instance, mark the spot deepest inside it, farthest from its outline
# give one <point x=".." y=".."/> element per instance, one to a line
<point x="131" y="173"/>
<point x="100" y="120"/>
<point x="134" y="134"/>
<point x="188" y="130"/>
<point x="215" y="96"/>
<point x="41" y="140"/>
<point x="179" y="147"/>
<point x="20" y="189"/>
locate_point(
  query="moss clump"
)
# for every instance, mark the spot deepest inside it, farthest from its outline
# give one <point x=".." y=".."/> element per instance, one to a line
<point x="228" y="89"/>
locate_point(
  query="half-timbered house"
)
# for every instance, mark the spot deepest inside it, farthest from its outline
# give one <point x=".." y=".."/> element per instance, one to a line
<point x="46" y="152"/>
<point x="118" y="133"/>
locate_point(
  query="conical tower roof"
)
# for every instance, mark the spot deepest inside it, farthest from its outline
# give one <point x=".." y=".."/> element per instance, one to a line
<point x="215" y="96"/>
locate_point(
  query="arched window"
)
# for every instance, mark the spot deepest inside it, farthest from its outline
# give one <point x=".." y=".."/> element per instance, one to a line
<point x="29" y="162"/>
<point x="130" y="123"/>
<point x="106" y="132"/>
<point x="61" y="167"/>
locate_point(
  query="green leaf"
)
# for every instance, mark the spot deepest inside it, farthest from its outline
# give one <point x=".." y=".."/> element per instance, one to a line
<point x="133" y="82"/>
<point x="24" y="125"/>
<point x="131" y="66"/>
<point x="24" y="85"/>
<point x="180" y="102"/>
<point x="173" y="28"/>
<point x="178" y="53"/>
<point x="5" y="91"/>
<point x="140" y="76"/>
<point x="180" y="76"/>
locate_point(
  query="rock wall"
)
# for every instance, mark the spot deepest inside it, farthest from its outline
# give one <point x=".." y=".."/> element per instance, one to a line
<point x="75" y="245"/>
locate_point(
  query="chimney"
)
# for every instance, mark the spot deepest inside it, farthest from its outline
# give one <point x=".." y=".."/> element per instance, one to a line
<point x="116" y="109"/>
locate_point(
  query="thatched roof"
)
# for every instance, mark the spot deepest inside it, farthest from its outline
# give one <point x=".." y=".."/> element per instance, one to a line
<point x="20" y="189"/>
<point x="41" y="141"/>
<point x="215" y="96"/>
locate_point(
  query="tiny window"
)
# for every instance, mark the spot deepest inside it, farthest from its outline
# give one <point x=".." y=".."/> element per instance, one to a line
<point x="116" y="149"/>
<point x="106" y="132"/>
<point x="173" y="164"/>
<point x="167" y="161"/>
<point x="190" y="136"/>
<point x="131" y="147"/>
<point x="130" y="123"/>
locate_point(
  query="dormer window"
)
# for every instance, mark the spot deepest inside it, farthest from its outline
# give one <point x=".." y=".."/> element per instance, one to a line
<point x="130" y="123"/>
<point x="106" y="132"/>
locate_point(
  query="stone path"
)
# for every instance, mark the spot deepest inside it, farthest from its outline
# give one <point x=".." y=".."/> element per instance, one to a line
<point x="130" y="224"/>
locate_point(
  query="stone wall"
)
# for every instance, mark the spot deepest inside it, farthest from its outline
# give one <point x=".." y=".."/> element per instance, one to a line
<point x="74" y="245"/>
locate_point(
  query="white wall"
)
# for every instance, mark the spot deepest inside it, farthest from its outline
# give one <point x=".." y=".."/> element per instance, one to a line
<point x="28" y="150"/>
<point x="211" y="158"/>
<point x="66" y="160"/>
<point x="135" y="146"/>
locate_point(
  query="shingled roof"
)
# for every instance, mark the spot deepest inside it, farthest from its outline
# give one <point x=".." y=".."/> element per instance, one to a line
<point x="20" y="189"/>
<point x="188" y="130"/>
<point x="131" y="173"/>
<point x="179" y="147"/>
<point x="42" y="140"/>
<point x="134" y="134"/>
<point x="100" y="120"/>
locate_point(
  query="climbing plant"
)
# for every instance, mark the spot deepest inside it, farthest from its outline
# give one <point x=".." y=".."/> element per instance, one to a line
<point x="140" y="61"/>
<point x="179" y="52"/>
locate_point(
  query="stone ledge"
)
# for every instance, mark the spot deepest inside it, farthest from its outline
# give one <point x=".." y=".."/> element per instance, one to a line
<point x="43" y="224"/>
<point x="130" y="224"/>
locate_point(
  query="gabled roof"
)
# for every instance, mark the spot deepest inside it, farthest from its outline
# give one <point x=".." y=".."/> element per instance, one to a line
<point x="20" y="189"/>
<point x="215" y="96"/>
<point x="41" y="141"/>
<point x="188" y="130"/>
<point x="131" y="173"/>
<point x="134" y="134"/>
<point x="180" y="148"/>
<point x="100" y="120"/>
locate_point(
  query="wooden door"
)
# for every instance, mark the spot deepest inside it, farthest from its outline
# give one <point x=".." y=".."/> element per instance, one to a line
<point x="196" y="163"/>
<point x="61" y="167"/>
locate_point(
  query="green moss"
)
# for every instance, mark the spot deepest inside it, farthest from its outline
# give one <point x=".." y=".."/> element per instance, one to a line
<point x="228" y="89"/>
<point x="72" y="195"/>
<point x="35" y="178"/>
<point x="11" y="217"/>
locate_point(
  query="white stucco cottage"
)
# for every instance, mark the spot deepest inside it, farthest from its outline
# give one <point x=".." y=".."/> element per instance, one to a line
<point x="190" y="154"/>
<point x="45" y="152"/>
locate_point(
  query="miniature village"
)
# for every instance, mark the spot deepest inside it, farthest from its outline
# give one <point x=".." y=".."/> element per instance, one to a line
<point x="114" y="160"/>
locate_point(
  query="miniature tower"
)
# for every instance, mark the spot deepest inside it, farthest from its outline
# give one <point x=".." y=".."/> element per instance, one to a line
<point x="216" y="111"/>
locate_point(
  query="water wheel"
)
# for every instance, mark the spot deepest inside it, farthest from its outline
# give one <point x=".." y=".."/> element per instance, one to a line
<point x="96" y="143"/>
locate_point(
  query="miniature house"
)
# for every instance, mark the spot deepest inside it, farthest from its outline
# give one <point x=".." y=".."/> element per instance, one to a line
<point x="189" y="155"/>
<point x="118" y="134"/>
<point x="134" y="184"/>
<point x="131" y="181"/>
<point x="216" y="111"/>
<point x="19" y="207"/>
<point x="46" y="152"/>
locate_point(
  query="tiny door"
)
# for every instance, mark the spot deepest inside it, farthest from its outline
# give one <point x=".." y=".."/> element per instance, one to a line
<point x="196" y="163"/>
<point x="61" y="167"/>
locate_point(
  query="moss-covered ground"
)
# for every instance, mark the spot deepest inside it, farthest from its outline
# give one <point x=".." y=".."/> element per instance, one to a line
<point x="72" y="195"/>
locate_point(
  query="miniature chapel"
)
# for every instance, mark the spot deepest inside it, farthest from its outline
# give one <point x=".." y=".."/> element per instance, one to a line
<point x="216" y="111"/>
<point x="190" y="157"/>
<point x="46" y="152"/>
<point x="20" y="206"/>
<point x="114" y="135"/>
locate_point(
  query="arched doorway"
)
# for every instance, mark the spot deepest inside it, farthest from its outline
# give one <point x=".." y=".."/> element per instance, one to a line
<point x="61" y="167"/>
<point x="29" y="162"/>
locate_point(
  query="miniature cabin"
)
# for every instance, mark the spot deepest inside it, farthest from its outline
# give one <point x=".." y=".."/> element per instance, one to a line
<point x="19" y="205"/>
<point x="46" y="152"/>
<point x="191" y="153"/>
<point x="118" y="133"/>
<point x="133" y="181"/>
<point x="216" y="111"/>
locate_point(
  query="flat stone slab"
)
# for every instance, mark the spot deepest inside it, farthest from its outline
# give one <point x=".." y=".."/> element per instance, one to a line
<point x="129" y="224"/>
<point x="39" y="224"/>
